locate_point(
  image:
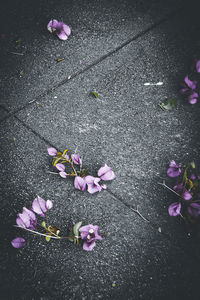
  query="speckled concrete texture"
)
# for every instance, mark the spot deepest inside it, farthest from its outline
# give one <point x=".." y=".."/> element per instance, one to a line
<point x="115" y="47"/>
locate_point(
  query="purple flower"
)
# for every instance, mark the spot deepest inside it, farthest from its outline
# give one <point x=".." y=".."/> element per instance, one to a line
<point x="193" y="98"/>
<point x="76" y="159"/>
<point x="187" y="195"/>
<point x="106" y="173"/>
<point x="174" y="169"/>
<point x="93" y="184"/>
<point x="60" y="167"/>
<point x="198" y="66"/>
<point x="188" y="85"/>
<point x="89" y="233"/>
<point x="174" y="209"/>
<point x="18" y="242"/>
<point x="61" y="29"/>
<point x="194" y="209"/>
<point x="27" y="219"/>
<point x="79" y="183"/>
<point x="63" y="174"/>
<point x="52" y="151"/>
<point x="40" y="206"/>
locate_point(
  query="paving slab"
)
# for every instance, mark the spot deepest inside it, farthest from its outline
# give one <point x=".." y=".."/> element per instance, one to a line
<point x="133" y="261"/>
<point x="125" y="127"/>
<point x="29" y="53"/>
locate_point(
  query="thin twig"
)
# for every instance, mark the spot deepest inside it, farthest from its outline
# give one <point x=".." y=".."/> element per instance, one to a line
<point x="163" y="184"/>
<point x="17" y="53"/>
<point x="137" y="212"/>
<point x="39" y="233"/>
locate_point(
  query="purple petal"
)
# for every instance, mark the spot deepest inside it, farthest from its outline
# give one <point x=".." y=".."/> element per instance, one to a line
<point x="172" y="164"/>
<point x="192" y="100"/>
<point x="18" y="242"/>
<point x="189" y="83"/>
<point x="104" y="186"/>
<point x="67" y="29"/>
<point x="198" y="66"/>
<point x="174" y="209"/>
<point x="52" y="25"/>
<point x="173" y="172"/>
<point x="187" y="195"/>
<point x="63" y="174"/>
<point x="76" y="159"/>
<point x="89" y="179"/>
<point x="49" y="204"/>
<point x="39" y="206"/>
<point x="93" y="188"/>
<point x="60" y="167"/>
<point x="194" y="209"/>
<point x="62" y="35"/>
<point x="193" y="177"/>
<point x="184" y="90"/>
<point x="106" y="173"/>
<point x="88" y="247"/>
<point x="52" y="151"/>
<point x="79" y="183"/>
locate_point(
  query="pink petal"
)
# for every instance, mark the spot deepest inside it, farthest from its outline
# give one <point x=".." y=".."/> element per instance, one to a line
<point x="198" y="66"/>
<point x="52" y="25"/>
<point x="67" y="29"/>
<point x="49" y="204"/>
<point x="63" y="174"/>
<point x="93" y="188"/>
<point x="62" y="35"/>
<point x="106" y="173"/>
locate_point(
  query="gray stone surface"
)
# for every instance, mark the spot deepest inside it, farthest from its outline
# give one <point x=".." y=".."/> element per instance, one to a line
<point x="98" y="27"/>
<point x="125" y="127"/>
<point x="137" y="259"/>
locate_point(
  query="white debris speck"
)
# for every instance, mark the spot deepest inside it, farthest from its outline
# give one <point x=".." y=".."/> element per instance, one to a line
<point x="55" y="97"/>
<point x="68" y="77"/>
<point x="149" y="83"/>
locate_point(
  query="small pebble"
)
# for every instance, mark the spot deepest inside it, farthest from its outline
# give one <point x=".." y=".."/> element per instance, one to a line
<point x="159" y="229"/>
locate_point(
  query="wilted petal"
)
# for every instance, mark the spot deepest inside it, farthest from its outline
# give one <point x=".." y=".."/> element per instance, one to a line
<point x="49" y="204"/>
<point x="18" y="242"/>
<point x="106" y="173"/>
<point x="79" y="183"/>
<point x="194" y="209"/>
<point x="60" y="167"/>
<point x="187" y="195"/>
<point x="88" y="246"/>
<point x="198" y="66"/>
<point x="52" y="151"/>
<point x="76" y="159"/>
<point x="174" y="209"/>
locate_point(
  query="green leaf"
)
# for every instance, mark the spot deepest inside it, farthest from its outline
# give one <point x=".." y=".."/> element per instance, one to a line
<point x="95" y="94"/>
<point x="21" y="73"/>
<point x="76" y="228"/>
<point x="43" y="224"/>
<point x="56" y="161"/>
<point x="192" y="164"/>
<point x="168" y="104"/>
<point x="47" y="238"/>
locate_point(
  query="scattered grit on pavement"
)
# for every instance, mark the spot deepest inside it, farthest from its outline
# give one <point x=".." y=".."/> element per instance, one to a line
<point x="115" y="47"/>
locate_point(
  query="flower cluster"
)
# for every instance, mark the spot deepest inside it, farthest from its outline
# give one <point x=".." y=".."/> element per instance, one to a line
<point x="189" y="88"/>
<point x="27" y="220"/>
<point x="81" y="180"/>
<point x="187" y="189"/>
<point x="62" y="30"/>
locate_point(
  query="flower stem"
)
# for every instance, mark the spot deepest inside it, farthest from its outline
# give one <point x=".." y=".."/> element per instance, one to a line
<point x="42" y="234"/>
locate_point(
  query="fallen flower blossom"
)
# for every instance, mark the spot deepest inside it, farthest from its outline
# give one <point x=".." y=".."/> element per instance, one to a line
<point x="89" y="234"/>
<point x="26" y="219"/>
<point x="93" y="184"/>
<point x="79" y="183"/>
<point x="174" y="169"/>
<point x="174" y="209"/>
<point x="62" y="30"/>
<point x="40" y="206"/>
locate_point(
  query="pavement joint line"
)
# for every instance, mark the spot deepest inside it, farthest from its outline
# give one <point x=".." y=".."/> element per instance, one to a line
<point x="94" y="63"/>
